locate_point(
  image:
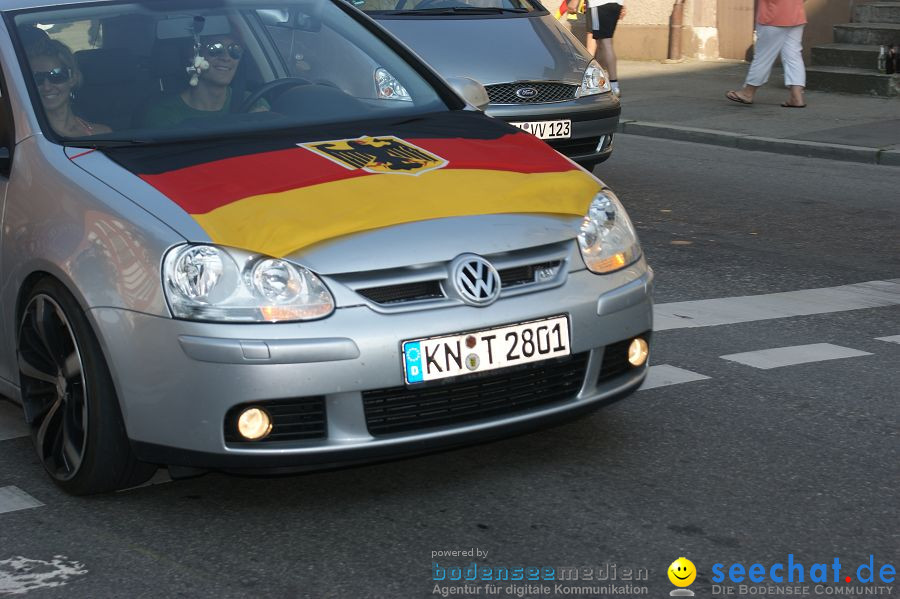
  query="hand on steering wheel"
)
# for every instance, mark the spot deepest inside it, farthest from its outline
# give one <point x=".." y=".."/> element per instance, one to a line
<point x="269" y="89"/>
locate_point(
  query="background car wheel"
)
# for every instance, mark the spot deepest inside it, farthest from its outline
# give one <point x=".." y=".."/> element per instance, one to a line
<point x="69" y="399"/>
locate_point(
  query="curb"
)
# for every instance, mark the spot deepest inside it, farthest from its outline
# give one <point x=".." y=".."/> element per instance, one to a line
<point x="742" y="141"/>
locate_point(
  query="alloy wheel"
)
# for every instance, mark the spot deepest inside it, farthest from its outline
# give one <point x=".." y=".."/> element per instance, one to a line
<point x="54" y="393"/>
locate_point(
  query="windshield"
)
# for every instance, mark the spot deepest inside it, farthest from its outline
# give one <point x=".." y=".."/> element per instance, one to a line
<point x="449" y="7"/>
<point x="138" y="73"/>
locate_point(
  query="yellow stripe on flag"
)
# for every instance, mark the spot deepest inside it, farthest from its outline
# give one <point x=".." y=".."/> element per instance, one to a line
<point x="281" y="223"/>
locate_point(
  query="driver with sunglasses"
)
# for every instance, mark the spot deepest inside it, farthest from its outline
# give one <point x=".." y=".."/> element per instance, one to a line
<point x="57" y="76"/>
<point x="210" y="94"/>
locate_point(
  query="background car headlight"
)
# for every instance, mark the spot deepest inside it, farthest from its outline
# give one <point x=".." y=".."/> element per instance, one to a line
<point x="208" y="282"/>
<point x="594" y="81"/>
<point x="607" y="238"/>
<point x="388" y="87"/>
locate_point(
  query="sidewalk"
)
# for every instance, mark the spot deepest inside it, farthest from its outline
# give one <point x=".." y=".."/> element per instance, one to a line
<point x="686" y="101"/>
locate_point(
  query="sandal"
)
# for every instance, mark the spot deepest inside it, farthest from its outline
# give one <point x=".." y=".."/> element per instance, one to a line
<point x="734" y="97"/>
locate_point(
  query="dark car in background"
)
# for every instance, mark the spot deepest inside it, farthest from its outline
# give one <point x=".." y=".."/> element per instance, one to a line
<point x="537" y="75"/>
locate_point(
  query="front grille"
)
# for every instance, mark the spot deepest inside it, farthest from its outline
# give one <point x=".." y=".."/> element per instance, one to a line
<point x="405" y="292"/>
<point x="468" y="399"/>
<point x="523" y="275"/>
<point x="579" y="146"/>
<point x="426" y="290"/>
<point x="505" y="93"/>
<point x="292" y="420"/>
<point x="615" y="359"/>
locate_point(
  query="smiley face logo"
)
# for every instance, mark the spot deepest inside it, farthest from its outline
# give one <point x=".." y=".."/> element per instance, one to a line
<point x="682" y="572"/>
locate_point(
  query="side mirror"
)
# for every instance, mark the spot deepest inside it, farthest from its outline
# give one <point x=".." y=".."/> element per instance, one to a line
<point x="471" y="91"/>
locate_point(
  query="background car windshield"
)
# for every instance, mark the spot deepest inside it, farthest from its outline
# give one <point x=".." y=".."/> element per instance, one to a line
<point x="151" y="71"/>
<point x="449" y="6"/>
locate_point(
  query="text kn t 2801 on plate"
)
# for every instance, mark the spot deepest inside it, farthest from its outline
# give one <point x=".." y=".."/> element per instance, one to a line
<point x="478" y="351"/>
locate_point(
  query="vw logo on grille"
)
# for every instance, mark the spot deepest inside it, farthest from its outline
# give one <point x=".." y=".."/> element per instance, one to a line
<point x="476" y="282"/>
<point x="526" y="92"/>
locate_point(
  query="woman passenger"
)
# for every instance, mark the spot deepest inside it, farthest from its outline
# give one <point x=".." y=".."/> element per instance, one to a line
<point x="57" y="76"/>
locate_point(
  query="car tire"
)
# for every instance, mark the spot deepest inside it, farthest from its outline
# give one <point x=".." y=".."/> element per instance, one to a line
<point x="69" y="399"/>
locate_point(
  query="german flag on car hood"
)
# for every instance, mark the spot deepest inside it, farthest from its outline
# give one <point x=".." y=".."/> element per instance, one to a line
<point x="280" y="194"/>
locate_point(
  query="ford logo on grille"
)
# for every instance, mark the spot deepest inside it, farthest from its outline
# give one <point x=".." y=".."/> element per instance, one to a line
<point x="475" y="280"/>
<point x="526" y="92"/>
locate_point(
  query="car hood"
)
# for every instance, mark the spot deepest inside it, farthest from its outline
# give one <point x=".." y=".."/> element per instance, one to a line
<point x="294" y="196"/>
<point x="494" y="49"/>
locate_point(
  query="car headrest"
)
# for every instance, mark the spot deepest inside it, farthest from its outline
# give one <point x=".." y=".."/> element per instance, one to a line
<point x="106" y="66"/>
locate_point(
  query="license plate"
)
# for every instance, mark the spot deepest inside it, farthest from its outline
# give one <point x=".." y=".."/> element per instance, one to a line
<point x="490" y="349"/>
<point x="547" y="129"/>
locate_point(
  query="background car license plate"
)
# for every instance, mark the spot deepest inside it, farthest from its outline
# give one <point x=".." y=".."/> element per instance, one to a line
<point x="455" y="355"/>
<point x="547" y="129"/>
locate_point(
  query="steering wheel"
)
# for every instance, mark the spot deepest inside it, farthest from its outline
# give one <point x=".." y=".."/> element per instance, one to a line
<point x="276" y="85"/>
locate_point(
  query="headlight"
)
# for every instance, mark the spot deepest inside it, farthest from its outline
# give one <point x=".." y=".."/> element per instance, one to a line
<point x="208" y="282"/>
<point x="607" y="238"/>
<point x="388" y="87"/>
<point x="594" y="81"/>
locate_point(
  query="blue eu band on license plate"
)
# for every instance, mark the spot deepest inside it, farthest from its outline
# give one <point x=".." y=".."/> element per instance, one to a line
<point x="412" y="354"/>
<point x="478" y="351"/>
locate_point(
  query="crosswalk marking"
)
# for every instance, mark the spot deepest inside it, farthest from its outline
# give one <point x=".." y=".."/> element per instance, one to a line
<point x="797" y="354"/>
<point x="13" y="498"/>
<point x="665" y="374"/>
<point x="749" y="308"/>
<point x="891" y="339"/>
<point x="12" y="424"/>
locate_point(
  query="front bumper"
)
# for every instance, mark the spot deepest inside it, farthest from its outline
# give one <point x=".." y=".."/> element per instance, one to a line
<point x="177" y="380"/>
<point x="594" y="122"/>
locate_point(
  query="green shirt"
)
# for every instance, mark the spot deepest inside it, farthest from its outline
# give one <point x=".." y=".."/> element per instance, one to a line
<point x="172" y="110"/>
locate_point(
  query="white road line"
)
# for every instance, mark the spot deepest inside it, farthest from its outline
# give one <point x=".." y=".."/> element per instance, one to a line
<point x="731" y="310"/>
<point x="891" y="339"/>
<point x="13" y="499"/>
<point x="20" y="575"/>
<point x="12" y="423"/>
<point x="797" y="354"/>
<point x="664" y="374"/>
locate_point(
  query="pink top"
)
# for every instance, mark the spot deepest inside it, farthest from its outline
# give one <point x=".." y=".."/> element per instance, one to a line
<point x="781" y="13"/>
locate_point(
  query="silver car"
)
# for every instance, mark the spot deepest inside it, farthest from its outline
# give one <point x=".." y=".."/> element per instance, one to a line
<point x="211" y="262"/>
<point x="537" y="75"/>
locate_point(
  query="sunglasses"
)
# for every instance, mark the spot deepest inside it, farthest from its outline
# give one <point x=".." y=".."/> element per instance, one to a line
<point x="54" y="76"/>
<point x="217" y="49"/>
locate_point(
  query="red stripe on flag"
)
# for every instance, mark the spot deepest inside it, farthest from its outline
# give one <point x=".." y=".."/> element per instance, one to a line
<point x="204" y="187"/>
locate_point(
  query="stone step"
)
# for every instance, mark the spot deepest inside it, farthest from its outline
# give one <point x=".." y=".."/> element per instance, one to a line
<point x="858" y="56"/>
<point x="877" y="12"/>
<point x="850" y="80"/>
<point x="867" y="33"/>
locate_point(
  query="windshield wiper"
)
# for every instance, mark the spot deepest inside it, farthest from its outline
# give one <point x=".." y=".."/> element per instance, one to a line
<point x="456" y="10"/>
<point x="90" y="142"/>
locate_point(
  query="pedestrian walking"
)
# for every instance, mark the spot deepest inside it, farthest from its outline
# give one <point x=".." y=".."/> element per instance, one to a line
<point x="779" y="30"/>
<point x="602" y="17"/>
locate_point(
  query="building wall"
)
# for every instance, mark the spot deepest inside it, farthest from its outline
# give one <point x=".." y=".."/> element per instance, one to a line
<point x="644" y="32"/>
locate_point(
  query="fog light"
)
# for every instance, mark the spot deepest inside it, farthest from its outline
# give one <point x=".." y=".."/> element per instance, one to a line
<point x="638" y="351"/>
<point x="254" y="424"/>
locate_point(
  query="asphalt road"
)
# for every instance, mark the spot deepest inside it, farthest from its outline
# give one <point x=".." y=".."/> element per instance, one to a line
<point x="748" y="465"/>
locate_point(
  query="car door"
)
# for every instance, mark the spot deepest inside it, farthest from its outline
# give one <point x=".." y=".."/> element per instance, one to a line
<point x="7" y="145"/>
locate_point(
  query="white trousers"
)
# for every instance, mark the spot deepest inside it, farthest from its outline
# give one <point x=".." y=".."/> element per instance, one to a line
<point x="770" y="42"/>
